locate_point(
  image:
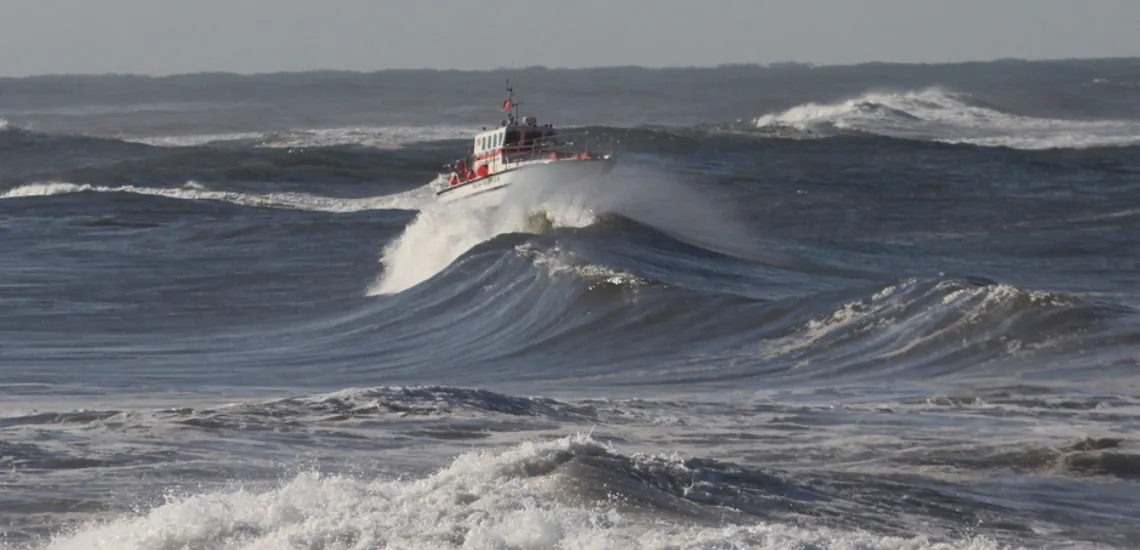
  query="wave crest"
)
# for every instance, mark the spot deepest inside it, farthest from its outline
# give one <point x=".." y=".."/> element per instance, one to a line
<point x="568" y="493"/>
<point x="939" y="115"/>
<point x="195" y="191"/>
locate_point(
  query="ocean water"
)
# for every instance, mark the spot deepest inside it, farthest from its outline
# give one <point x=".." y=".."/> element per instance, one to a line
<point x="877" y="306"/>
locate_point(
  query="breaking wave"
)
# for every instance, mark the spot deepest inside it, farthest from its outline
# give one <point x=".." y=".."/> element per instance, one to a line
<point x="939" y="115"/>
<point x="909" y="329"/>
<point x="569" y="493"/>
<point x="441" y="233"/>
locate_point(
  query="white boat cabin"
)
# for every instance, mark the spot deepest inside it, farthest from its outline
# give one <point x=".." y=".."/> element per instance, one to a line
<point x="504" y="147"/>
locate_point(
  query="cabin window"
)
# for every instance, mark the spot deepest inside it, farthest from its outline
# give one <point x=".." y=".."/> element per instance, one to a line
<point x="512" y="137"/>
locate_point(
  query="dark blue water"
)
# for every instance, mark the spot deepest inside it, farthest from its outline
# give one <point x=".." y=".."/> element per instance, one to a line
<point x="881" y="306"/>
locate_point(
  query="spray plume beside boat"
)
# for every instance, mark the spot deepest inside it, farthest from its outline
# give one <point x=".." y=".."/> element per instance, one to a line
<point x="500" y="156"/>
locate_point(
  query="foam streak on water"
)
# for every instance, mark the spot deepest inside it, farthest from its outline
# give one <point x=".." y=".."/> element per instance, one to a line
<point x="194" y="191"/>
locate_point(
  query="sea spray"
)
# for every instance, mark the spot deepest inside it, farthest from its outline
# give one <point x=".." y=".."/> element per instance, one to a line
<point x="444" y="231"/>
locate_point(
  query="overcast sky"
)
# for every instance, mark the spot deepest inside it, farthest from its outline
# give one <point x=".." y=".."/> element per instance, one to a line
<point x="179" y="36"/>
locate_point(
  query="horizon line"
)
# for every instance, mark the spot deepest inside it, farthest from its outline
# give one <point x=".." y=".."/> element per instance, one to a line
<point x="775" y="65"/>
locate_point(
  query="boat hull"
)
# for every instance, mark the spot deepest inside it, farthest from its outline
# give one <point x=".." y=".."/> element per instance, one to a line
<point x="490" y="189"/>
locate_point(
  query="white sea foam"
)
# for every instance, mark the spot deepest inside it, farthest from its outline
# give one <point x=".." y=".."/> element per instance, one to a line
<point x="514" y="499"/>
<point x="444" y="231"/>
<point x="558" y="261"/>
<point x="192" y="140"/>
<point x="939" y="115"/>
<point x="409" y="200"/>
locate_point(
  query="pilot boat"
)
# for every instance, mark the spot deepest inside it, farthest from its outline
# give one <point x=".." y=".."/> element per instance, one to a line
<point x="521" y="148"/>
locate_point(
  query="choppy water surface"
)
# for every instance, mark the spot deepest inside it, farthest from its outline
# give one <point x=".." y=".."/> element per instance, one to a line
<point x="881" y="306"/>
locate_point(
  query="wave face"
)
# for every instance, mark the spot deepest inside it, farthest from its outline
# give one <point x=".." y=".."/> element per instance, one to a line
<point x="867" y="319"/>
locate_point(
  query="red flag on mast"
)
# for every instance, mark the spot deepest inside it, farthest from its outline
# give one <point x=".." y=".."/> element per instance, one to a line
<point x="507" y="105"/>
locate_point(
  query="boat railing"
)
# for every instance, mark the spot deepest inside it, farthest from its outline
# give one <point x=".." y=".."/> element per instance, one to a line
<point x="559" y="145"/>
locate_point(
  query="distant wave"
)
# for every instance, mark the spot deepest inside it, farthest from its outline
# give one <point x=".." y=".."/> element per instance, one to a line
<point x="14" y="137"/>
<point x="130" y="108"/>
<point x="410" y="200"/>
<point x="380" y="137"/>
<point x="939" y="115"/>
<point x="364" y="136"/>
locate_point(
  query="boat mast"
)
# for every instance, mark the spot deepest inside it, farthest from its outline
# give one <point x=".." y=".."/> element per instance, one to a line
<point x="512" y="105"/>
